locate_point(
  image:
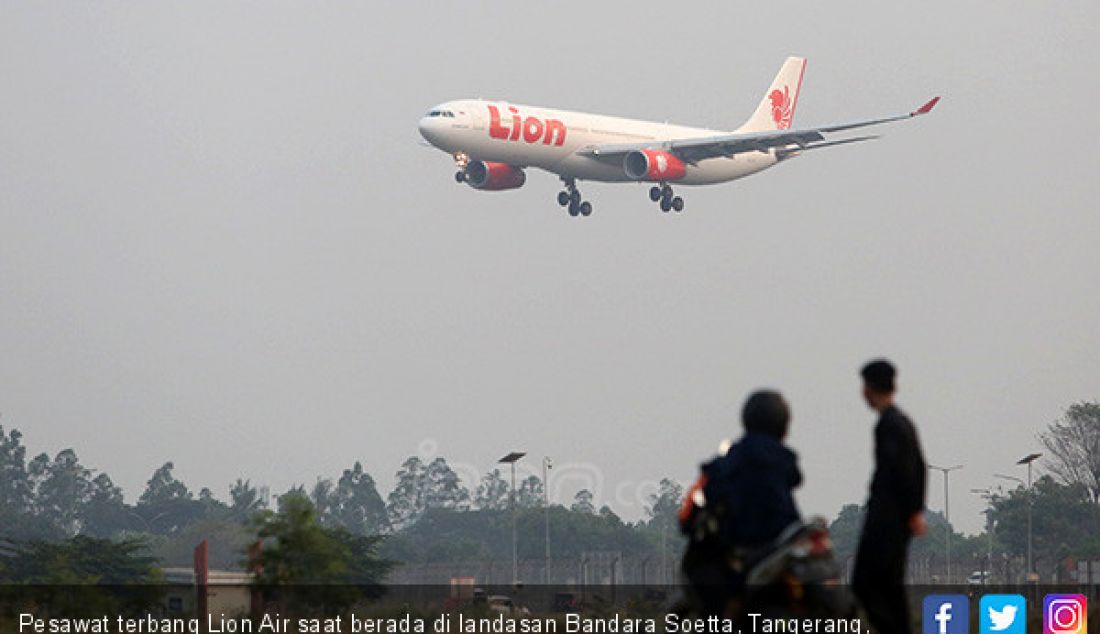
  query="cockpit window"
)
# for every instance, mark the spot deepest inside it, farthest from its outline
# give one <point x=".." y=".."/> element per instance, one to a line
<point x="441" y="113"/>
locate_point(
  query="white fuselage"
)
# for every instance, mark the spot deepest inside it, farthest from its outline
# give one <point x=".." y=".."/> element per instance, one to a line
<point x="529" y="136"/>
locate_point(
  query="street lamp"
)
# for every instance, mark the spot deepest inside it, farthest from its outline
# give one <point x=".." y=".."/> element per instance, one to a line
<point x="947" y="512"/>
<point x="1027" y="492"/>
<point x="512" y="459"/>
<point x="547" y="465"/>
<point x="987" y="495"/>
<point x="1026" y="460"/>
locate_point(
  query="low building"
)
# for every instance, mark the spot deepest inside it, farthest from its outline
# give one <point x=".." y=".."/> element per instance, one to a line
<point x="228" y="592"/>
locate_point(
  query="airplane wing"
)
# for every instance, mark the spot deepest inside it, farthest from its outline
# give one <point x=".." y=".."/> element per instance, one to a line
<point x="697" y="149"/>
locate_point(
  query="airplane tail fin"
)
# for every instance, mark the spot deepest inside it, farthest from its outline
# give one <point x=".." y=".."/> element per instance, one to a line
<point x="776" y="110"/>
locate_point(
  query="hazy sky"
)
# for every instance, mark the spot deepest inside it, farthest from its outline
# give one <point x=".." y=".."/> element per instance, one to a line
<point x="221" y="243"/>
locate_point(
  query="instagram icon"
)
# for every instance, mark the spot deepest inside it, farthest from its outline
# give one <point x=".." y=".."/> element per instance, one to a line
<point x="1065" y="614"/>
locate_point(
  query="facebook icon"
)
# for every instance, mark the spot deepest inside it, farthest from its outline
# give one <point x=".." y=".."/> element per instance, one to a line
<point x="946" y="614"/>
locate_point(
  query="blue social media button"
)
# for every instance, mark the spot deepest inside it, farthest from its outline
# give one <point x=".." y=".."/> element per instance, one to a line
<point x="946" y="614"/>
<point x="1003" y="614"/>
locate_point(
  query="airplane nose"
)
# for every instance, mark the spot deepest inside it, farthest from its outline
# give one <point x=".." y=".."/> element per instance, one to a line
<point x="427" y="129"/>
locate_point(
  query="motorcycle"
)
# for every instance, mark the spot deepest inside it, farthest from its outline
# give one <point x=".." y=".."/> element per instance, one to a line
<point x="794" y="576"/>
<point x="799" y="576"/>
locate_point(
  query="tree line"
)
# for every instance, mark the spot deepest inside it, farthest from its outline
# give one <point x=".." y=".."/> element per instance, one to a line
<point x="430" y="515"/>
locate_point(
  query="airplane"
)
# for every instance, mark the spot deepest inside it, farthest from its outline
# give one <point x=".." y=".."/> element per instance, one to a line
<point x="493" y="142"/>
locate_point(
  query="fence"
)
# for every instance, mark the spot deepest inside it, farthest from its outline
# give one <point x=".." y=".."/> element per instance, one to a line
<point x="594" y="568"/>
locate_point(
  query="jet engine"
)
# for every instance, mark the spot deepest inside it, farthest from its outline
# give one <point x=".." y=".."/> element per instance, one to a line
<point x="653" y="165"/>
<point x="491" y="176"/>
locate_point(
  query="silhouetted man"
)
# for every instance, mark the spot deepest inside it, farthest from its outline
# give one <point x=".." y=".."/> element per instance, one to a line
<point x="894" y="508"/>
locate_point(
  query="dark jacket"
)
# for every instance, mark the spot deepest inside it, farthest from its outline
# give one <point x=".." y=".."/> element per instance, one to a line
<point x="897" y="493"/>
<point x="753" y="484"/>
<point x="897" y="488"/>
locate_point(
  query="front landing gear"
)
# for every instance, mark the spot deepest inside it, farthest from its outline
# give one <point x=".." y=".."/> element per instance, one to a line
<point x="571" y="199"/>
<point x="665" y="198"/>
<point x="461" y="161"/>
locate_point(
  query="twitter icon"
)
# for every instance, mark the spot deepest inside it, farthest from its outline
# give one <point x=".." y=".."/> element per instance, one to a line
<point x="1003" y="614"/>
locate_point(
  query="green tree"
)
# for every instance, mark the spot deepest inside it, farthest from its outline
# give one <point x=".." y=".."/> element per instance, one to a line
<point x="356" y="505"/>
<point x="320" y="569"/>
<point x="82" y="577"/>
<point x="444" y="488"/>
<point x="932" y="547"/>
<point x="407" y="500"/>
<point x="163" y="487"/>
<point x="1074" y="446"/>
<point x="530" y="494"/>
<point x="1063" y="517"/>
<point x="15" y="485"/>
<point x="291" y="493"/>
<point x="664" y="505"/>
<point x="608" y="514"/>
<point x="81" y="560"/>
<point x="244" y="500"/>
<point x="211" y="506"/>
<point x="420" y="487"/>
<point x="845" y="530"/>
<point x="492" y="493"/>
<point x="322" y="497"/>
<point x="297" y="548"/>
<point x="582" y="502"/>
<point x="104" y="513"/>
<point x="167" y="505"/>
<point x="53" y="499"/>
<point x="61" y="488"/>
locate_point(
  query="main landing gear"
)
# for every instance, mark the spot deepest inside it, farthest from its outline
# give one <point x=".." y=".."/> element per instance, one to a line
<point x="571" y="199"/>
<point x="664" y="197"/>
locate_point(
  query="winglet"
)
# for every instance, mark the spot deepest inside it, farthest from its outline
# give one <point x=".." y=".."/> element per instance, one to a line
<point x="926" y="108"/>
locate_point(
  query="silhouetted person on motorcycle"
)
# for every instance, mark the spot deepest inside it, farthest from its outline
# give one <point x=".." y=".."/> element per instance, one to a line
<point x="742" y="502"/>
<point x="894" y="509"/>
<point x="756" y="478"/>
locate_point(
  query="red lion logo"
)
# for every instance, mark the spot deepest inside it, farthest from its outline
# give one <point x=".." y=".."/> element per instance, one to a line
<point x="782" y="108"/>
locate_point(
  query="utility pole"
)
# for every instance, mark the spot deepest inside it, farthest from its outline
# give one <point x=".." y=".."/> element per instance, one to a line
<point x="1028" y="459"/>
<point x="547" y="465"/>
<point x="987" y="495"/>
<point x="947" y="513"/>
<point x="512" y="459"/>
